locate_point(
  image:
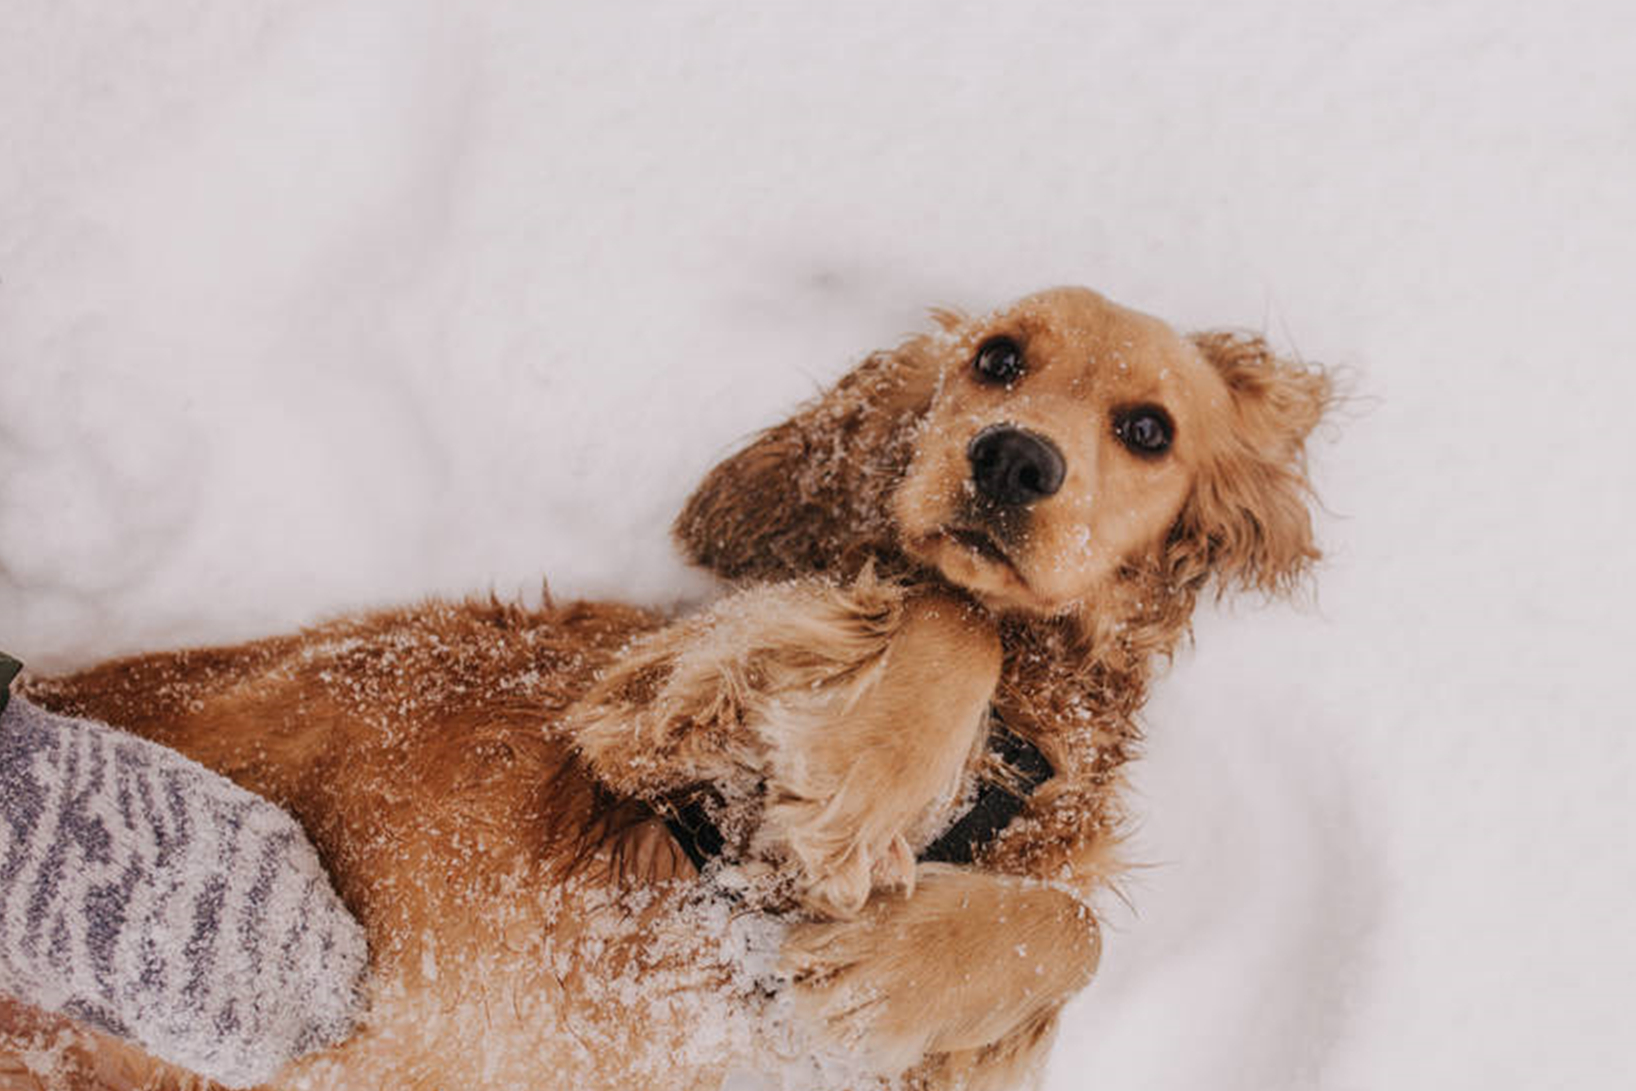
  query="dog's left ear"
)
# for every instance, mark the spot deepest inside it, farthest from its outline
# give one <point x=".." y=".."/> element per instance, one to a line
<point x="810" y="495"/>
<point x="1248" y="522"/>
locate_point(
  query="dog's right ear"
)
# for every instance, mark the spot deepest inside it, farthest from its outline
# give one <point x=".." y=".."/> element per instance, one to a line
<point x="810" y="495"/>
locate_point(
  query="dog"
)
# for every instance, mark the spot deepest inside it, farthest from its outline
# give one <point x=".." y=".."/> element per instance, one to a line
<point x="998" y="528"/>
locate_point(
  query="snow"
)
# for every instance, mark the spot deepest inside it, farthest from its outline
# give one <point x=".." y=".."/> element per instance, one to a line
<point x="306" y="307"/>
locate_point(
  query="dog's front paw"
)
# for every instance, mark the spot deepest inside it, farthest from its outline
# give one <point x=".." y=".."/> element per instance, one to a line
<point x="864" y="763"/>
<point x="846" y="847"/>
<point x="966" y="961"/>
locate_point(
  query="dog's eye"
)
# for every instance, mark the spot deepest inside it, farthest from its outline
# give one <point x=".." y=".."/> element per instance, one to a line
<point x="999" y="361"/>
<point x="1145" y="430"/>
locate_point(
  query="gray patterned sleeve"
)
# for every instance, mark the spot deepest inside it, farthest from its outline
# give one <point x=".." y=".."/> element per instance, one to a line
<point x="146" y="896"/>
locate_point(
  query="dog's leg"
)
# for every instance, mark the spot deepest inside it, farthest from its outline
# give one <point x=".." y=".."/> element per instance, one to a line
<point x="855" y="708"/>
<point x="967" y="974"/>
<point x="674" y="708"/>
<point x="850" y="784"/>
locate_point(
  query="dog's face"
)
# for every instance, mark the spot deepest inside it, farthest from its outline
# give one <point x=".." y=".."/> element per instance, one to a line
<point x="1041" y="458"/>
<point x="1063" y="438"/>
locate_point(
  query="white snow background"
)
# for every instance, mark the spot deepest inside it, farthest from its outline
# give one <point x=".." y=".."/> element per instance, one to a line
<point x="307" y="307"/>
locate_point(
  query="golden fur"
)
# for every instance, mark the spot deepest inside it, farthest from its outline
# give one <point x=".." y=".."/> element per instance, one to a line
<point x="483" y="781"/>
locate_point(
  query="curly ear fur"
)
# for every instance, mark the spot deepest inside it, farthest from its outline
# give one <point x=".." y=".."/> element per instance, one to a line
<point x="1248" y="522"/>
<point x="809" y="495"/>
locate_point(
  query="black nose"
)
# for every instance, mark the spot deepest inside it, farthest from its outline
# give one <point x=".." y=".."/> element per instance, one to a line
<point x="1013" y="467"/>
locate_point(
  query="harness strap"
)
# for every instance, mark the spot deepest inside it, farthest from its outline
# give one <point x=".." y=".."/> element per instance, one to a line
<point x="997" y="802"/>
<point x="694" y="832"/>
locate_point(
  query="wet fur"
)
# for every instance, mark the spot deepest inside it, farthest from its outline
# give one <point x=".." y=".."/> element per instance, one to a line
<point x="482" y="780"/>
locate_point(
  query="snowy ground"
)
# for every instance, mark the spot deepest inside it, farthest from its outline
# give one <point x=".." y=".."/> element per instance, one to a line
<point x="309" y="306"/>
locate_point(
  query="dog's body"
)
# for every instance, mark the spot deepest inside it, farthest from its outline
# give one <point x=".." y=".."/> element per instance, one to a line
<point x="409" y="744"/>
<point x="1014" y="513"/>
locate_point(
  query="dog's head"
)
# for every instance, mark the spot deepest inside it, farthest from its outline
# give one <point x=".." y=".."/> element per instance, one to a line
<point x="1037" y="457"/>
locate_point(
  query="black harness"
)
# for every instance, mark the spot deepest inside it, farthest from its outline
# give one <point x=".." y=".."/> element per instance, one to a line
<point x="998" y="802"/>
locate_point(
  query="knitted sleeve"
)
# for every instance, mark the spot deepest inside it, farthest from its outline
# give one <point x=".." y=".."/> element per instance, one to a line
<point x="146" y="896"/>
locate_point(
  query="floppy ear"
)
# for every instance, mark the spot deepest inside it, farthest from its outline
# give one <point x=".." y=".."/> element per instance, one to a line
<point x="810" y="495"/>
<point x="1248" y="521"/>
